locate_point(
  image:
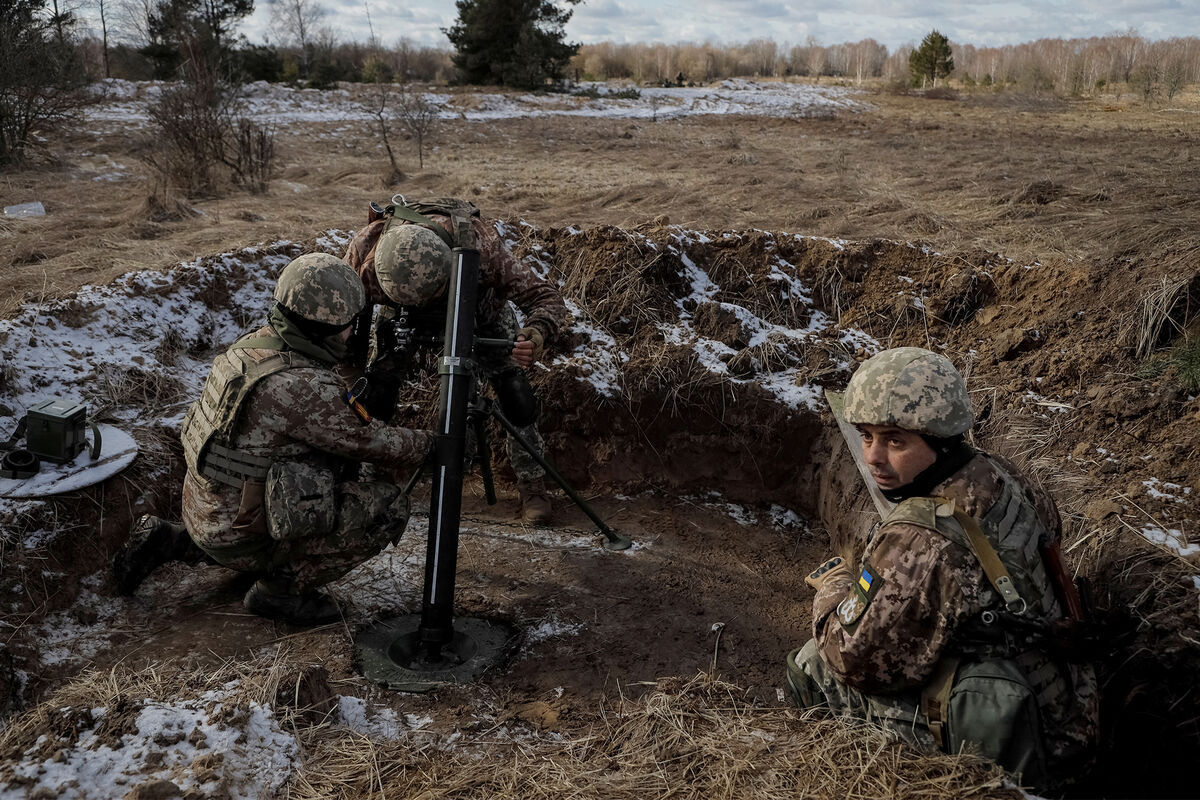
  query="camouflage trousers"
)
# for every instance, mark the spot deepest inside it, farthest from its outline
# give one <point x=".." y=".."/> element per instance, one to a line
<point x="369" y="516"/>
<point x="813" y="685"/>
<point x="489" y="365"/>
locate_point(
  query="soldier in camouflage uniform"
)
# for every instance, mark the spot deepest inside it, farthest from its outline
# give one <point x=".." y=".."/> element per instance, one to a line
<point x="949" y="631"/>
<point x="271" y="447"/>
<point x="403" y="257"/>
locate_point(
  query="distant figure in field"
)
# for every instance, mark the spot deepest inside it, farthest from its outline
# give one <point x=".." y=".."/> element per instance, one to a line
<point x="950" y="632"/>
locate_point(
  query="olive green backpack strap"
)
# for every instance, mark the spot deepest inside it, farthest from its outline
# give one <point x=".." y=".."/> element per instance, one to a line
<point x="410" y="215"/>
<point x="935" y="698"/>
<point x="989" y="559"/>
<point x="926" y="512"/>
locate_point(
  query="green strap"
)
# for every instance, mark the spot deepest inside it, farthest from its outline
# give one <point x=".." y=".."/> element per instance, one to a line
<point x="993" y="567"/>
<point x="409" y="215"/>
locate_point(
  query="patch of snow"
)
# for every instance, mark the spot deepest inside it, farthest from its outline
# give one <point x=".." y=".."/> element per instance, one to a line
<point x="241" y="755"/>
<point x="1172" y="539"/>
<point x="552" y="628"/>
<point x="786" y="519"/>
<point x="1169" y="491"/>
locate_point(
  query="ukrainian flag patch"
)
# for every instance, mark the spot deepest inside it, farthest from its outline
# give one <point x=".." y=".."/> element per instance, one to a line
<point x="851" y="609"/>
<point x="865" y="580"/>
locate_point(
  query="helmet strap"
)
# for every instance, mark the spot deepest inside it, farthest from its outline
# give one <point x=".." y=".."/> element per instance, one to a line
<point x="952" y="452"/>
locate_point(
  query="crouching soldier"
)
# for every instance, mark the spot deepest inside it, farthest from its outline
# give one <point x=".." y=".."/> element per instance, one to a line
<point x="954" y="629"/>
<point x="271" y="447"/>
<point x="404" y="258"/>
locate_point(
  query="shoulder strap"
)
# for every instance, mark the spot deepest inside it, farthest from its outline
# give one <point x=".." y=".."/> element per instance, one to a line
<point x="410" y="215"/>
<point x="259" y="343"/>
<point x="926" y="512"/>
<point x="988" y="558"/>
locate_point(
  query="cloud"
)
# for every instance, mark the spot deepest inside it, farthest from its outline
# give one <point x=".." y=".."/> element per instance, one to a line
<point x="892" y="22"/>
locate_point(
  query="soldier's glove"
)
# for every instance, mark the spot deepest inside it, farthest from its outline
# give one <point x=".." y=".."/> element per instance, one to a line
<point x="528" y="346"/>
<point x="834" y="567"/>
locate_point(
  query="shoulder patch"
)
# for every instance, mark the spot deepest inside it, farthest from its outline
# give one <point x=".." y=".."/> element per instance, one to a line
<point x="855" y="604"/>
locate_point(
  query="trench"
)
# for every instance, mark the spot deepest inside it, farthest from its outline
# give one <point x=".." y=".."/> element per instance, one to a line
<point x="691" y="416"/>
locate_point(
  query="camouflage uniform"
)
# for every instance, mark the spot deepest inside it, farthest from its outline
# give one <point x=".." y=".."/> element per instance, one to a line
<point x="296" y="415"/>
<point x="916" y="612"/>
<point x="503" y="282"/>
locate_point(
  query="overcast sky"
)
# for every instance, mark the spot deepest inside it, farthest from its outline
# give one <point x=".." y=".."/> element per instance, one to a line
<point x="892" y="22"/>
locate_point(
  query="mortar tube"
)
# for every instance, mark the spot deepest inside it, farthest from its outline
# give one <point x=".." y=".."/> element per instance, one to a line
<point x="445" y="502"/>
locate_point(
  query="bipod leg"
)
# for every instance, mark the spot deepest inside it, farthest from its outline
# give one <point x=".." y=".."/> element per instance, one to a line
<point x="412" y="482"/>
<point x="484" y="451"/>
<point x="614" y="540"/>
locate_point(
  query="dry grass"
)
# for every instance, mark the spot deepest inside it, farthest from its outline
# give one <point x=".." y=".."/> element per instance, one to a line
<point x="911" y="168"/>
<point x="696" y="738"/>
<point x="1155" y="312"/>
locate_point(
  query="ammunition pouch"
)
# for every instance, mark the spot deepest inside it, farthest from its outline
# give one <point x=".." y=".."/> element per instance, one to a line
<point x="299" y="501"/>
<point x="517" y="400"/>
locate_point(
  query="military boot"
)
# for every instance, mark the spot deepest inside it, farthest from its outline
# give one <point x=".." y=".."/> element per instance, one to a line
<point x="152" y="543"/>
<point x="535" y="502"/>
<point x="271" y="598"/>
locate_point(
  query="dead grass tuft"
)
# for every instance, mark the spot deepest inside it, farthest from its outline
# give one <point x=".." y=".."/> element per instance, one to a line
<point x="1162" y="312"/>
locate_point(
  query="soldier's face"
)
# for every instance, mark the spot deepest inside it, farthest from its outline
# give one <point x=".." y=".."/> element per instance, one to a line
<point x="893" y="455"/>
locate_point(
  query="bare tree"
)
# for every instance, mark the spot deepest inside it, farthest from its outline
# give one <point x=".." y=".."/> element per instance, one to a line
<point x="296" y="21"/>
<point x="102" y="10"/>
<point x="418" y="114"/>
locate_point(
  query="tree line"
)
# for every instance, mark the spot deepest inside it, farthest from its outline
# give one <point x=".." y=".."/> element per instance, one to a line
<point x="1065" y="66"/>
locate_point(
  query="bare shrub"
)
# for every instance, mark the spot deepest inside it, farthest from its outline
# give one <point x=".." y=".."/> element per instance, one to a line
<point x="202" y="139"/>
<point x="253" y="155"/>
<point x="419" y="115"/>
<point x="42" y="83"/>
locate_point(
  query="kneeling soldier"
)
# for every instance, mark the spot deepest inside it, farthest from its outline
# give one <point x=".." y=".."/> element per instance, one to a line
<point x="953" y="630"/>
<point x="272" y="450"/>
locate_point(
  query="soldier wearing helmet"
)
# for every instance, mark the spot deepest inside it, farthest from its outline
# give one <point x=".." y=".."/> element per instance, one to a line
<point x="272" y="447"/>
<point x="404" y="257"/>
<point x="952" y="630"/>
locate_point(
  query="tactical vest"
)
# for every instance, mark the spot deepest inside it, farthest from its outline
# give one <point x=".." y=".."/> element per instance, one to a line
<point x="994" y="681"/>
<point x="211" y="421"/>
<point x="1014" y="531"/>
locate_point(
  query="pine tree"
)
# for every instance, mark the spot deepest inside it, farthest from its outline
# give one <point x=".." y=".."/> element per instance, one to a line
<point x="511" y="42"/>
<point x="932" y="60"/>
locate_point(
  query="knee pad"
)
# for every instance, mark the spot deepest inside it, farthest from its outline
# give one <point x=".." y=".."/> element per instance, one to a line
<point x="517" y="400"/>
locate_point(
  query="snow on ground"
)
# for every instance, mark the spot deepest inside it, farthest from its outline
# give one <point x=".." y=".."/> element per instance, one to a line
<point x="1172" y="539"/>
<point x="277" y="104"/>
<point x="209" y="747"/>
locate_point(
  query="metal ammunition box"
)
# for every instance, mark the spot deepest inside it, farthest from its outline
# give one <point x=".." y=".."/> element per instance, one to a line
<point x="55" y="430"/>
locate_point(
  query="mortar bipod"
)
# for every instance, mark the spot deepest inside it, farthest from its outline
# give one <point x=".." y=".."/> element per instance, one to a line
<point x="477" y="416"/>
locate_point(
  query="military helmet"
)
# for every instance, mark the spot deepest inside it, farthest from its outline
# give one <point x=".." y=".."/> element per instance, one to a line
<point x="321" y="288"/>
<point x="412" y="264"/>
<point x="911" y="388"/>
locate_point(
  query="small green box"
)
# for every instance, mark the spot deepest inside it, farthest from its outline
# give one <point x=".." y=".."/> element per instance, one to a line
<point x="55" y="430"/>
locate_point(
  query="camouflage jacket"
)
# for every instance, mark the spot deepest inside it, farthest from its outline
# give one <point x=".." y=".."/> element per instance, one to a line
<point x="923" y="591"/>
<point x="502" y="277"/>
<point x="925" y="588"/>
<point x="300" y="415"/>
